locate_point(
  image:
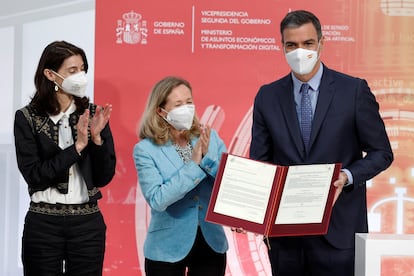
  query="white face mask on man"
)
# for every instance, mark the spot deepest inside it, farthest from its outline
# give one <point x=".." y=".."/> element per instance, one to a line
<point x="74" y="84"/>
<point x="181" y="118"/>
<point x="302" y="61"/>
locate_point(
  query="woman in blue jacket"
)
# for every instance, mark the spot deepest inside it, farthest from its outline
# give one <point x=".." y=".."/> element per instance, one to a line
<point x="177" y="160"/>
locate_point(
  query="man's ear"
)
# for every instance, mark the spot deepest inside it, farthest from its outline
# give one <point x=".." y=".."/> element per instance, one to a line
<point x="322" y="41"/>
<point x="49" y="74"/>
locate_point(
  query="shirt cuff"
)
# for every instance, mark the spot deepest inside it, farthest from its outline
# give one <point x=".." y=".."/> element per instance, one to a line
<point x="350" y="178"/>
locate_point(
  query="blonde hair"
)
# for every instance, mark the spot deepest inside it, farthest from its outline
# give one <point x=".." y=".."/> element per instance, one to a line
<point x="152" y="125"/>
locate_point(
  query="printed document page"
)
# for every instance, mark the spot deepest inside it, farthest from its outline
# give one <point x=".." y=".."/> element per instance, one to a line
<point x="245" y="189"/>
<point x="305" y="194"/>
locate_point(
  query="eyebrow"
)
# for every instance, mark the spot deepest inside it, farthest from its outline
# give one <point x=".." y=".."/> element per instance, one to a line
<point x="75" y="67"/>
<point x="183" y="101"/>
<point x="306" y="41"/>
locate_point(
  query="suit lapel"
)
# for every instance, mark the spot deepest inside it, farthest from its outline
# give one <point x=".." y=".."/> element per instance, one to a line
<point x="326" y="93"/>
<point x="172" y="155"/>
<point x="287" y="105"/>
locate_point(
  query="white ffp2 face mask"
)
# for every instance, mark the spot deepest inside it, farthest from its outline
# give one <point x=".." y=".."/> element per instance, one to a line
<point x="181" y="118"/>
<point x="302" y="61"/>
<point x="75" y="84"/>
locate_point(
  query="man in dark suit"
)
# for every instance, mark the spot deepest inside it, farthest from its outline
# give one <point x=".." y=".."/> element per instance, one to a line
<point x="346" y="128"/>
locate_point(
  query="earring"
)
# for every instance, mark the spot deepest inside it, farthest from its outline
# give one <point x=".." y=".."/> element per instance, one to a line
<point x="56" y="88"/>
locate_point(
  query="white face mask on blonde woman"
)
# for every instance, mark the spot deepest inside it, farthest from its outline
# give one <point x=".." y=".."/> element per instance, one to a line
<point x="181" y="118"/>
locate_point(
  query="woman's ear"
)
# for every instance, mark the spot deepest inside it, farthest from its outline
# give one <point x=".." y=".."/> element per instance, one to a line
<point x="160" y="111"/>
<point x="49" y="75"/>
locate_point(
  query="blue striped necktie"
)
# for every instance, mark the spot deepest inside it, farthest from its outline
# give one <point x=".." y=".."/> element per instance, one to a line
<point x="305" y="114"/>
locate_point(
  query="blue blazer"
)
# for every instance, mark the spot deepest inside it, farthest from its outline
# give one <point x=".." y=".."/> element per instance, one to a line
<point x="178" y="195"/>
<point x="346" y="124"/>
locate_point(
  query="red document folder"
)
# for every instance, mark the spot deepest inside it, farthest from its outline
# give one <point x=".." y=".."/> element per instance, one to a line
<point x="240" y="200"/>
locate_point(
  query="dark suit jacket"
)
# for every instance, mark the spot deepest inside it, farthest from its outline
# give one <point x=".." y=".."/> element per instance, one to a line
<point x="346" y="123"/>
<point x="44" y="164"/>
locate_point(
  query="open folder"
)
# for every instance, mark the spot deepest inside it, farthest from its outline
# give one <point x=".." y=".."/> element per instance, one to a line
<point x="273" y="200"/>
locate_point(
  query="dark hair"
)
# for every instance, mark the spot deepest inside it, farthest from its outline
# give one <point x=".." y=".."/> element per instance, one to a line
<point x="53" y="56"/>
<point x="298" y="18"/>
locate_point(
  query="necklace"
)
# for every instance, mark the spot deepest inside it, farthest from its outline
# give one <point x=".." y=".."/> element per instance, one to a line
<point x="184" y="152"/>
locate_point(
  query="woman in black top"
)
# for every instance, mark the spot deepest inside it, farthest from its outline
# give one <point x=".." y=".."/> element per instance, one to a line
<point x="65" y="153"/>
